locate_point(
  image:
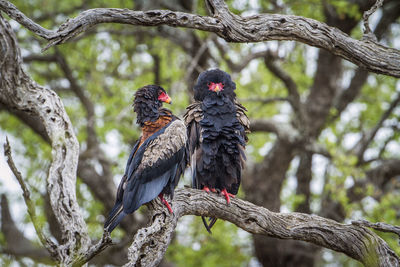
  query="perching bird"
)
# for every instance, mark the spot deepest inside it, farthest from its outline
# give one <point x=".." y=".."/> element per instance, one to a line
<point x="157" y="160"/>
<point x="217" y="126"/>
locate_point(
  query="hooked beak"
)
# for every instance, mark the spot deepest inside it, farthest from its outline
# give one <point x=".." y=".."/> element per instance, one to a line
<point x="218" y="88"/>
<point x="164" y="97"/>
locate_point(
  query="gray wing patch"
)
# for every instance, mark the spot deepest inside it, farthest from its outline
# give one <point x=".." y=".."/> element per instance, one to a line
<point x="193" y="112"/>
<point x="242" y="117"/>
<point x="166" y="145"/>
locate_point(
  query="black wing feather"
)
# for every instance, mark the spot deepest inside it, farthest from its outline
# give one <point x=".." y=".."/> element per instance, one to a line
<point x="142" y="183"/>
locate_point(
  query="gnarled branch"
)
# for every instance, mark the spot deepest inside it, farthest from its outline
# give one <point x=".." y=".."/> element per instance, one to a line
<point x="20" y="92"/>
<point x="355" y="241"/>
<point x="233" y="28"/>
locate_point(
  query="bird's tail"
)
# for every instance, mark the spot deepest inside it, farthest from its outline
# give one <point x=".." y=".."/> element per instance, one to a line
<point x="114" y="218"/>
<point x="210" y="224"/>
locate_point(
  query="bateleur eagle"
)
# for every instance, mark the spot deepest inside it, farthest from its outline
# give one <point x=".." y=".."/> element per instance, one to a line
<point x="156" y="161"/>
<point x="217" y="126"/>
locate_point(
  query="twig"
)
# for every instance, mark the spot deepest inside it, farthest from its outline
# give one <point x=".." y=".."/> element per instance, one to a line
<point x="291" y="86"/>
<point x="366" y="140"/>
<point x="104" y="242"/>
<point x="50" y="246"/>
<point x="194" y="63"/>
<point x="368" y="34"/>
<point x="380" y="226"/>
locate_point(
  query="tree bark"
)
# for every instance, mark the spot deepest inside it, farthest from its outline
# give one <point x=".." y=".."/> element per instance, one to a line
<point x="233" y="28"/>
<point x="355" y="241"/>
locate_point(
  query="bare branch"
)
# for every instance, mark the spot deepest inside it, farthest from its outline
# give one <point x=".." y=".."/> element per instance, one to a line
<point x="384" y="172"/>
<point x="363" y="144"/>
<point x="243" y="62"/>
<point x="380" y="226"/>
<point x="355" y="241"/>
<point x="368" y="34"/>
<point x="104" y="242"/>
<point x="351" y="92"/>
<point x="22" y="93"/>
<point x="194" y="63"/>
<point x="232" y="28"/>
<point x="47" y="243"/>
<point x="291" y="86"/>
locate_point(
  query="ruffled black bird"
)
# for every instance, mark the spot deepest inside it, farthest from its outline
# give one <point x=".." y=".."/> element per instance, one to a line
<point x="217" y="126"/>
<point x="157" y="159"/>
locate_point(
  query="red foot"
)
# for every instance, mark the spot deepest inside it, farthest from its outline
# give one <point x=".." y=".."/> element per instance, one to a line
<point x="161" y="196"/>
<point x="208" y="190"/>
<point x="227" y="195"/>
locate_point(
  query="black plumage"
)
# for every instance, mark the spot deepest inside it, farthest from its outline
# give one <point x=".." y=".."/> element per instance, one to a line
<point x="217" y="127"/>
<point x="157" y="160"/>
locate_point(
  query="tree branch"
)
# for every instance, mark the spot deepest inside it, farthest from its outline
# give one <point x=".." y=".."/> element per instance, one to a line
<point x="22" y="93"/>
<point x="380" y="226"/>
<point x="47" y="243"/>
<point x="366" y="140"/>
<point x="291" y="86"/>
<point x="367" y="30"/>
<point x="232" y="28"/>
<point x="355" y="241"/>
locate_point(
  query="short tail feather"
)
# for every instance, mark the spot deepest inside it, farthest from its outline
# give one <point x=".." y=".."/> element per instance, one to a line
<point x="115" y="217"/>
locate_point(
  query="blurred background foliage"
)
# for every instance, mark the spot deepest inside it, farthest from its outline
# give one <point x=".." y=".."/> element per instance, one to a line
<point x="97" y="74"/>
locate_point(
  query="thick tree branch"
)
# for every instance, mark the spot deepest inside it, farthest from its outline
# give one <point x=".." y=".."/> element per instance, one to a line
<point x="22" y="93"/>
<point x="355" y="241"/>
<point x="232" y="28"/>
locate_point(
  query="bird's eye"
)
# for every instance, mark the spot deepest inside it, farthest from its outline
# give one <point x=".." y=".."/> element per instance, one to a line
<point x="209" y="84"/>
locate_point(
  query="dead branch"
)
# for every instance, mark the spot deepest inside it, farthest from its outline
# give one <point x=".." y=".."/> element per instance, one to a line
<point x="233" y="28"/>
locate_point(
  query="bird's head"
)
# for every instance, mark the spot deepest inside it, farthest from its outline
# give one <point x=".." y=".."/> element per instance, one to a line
<point x="152" y="93"/>
<point x="214" y="83"/>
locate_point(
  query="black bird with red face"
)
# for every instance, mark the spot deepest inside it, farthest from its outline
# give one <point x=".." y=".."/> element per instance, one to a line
<point x="157" y="160"/>
<point x="217" y="127"/>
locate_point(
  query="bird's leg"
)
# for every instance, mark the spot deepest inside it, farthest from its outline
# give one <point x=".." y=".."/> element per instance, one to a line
<point x="227" y="195"/>
<point x="161" y="196"/>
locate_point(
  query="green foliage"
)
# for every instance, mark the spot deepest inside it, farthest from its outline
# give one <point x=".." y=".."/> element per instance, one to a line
<point x="193" y="246"/>
<point x="112" y="61"/>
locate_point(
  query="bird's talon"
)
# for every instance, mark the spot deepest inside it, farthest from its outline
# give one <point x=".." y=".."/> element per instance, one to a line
<point x="165" y="202"/>
<point x="227" y="195"/>
<point x="205" y="188"/>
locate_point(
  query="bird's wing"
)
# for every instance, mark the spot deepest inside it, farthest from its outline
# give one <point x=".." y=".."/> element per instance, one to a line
<point x="243" y="119"/>
<point x="193" y="116"/>
<point x="115" y="215"/>
<point x="160" y="157"/>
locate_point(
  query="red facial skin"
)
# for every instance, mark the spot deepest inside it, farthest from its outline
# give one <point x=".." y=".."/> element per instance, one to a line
<point x="164" y="97"/>
<point x="215" y="87"/>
